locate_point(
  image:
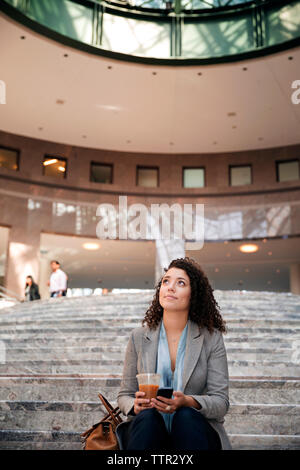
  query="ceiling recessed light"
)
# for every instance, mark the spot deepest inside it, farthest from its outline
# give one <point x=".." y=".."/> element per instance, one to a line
<point x="232" y="113"/>
<point x="66" y="55"/>
<point x="248" y="248"/>
<point x="109" y="67"/>
<point x="291" y="58"/>
<point x="50" y="162"/>
<point x="91" y="246"/>
<point x="22" y="37"/>
<point x="154" y="73"/>
<point x="199" y="73"/>
<point x="61" y="168"/>
<point x="60" y="101"/>
<point x="245" y="68"/>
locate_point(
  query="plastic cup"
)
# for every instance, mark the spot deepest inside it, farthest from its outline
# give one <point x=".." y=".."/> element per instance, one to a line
<point x="148" y="383"/>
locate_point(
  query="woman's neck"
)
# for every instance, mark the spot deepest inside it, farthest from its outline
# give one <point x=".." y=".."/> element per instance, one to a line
<point x="175" y="322"/>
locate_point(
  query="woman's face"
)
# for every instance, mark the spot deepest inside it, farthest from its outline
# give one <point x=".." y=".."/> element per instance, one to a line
<point x="28" y="281"/>
<point x="175" y="290"/>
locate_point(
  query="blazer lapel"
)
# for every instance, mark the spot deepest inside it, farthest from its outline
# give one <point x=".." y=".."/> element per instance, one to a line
<point x="149" y="349"/>
<point x="194" y="343"/>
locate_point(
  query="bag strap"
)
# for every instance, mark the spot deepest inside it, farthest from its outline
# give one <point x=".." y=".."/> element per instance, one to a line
<point x="112" y="412"/>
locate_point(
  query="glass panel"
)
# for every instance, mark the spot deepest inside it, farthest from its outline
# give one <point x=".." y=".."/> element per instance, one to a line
<point x="66" y="17"/>
<point x="193" y="177"/>
<point x="282" y="23"/>
<point x="240" y="175"/>
<point x="130" y="36"/>
<point x="54" y="166"/>
<point x="101" y="173"/>
<point x="148" y="177"/>
<point x="9" y="159"/>
<point x="288" y="171"/>
<point x="217" y="38"/>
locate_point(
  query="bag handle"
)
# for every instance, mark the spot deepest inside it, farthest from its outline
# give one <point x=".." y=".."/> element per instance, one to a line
<point x="112" y="412"/>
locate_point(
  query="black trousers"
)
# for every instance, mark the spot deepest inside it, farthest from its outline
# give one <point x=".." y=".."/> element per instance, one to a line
<point x="190" y="431"/>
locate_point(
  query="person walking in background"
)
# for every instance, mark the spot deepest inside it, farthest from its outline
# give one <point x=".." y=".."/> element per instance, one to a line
<point x="58" y="280"/>
<point x="31" y="289"/>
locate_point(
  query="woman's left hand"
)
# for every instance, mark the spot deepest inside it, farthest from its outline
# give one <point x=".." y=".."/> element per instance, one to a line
<point x="170" y="405"/>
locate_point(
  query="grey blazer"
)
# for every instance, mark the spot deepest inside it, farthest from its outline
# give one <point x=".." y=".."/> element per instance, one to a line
<point x="205" y="372"/>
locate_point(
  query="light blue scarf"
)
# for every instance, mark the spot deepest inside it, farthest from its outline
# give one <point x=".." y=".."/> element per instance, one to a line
<point x="163" y="366"/>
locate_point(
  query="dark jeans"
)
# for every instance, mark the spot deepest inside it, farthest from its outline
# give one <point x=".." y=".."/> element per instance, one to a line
<point x="190" y="431"/>
<point x="63" y="293"/>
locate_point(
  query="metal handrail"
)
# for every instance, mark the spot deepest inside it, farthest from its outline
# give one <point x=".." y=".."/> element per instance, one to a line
<point x="9" y="295"/>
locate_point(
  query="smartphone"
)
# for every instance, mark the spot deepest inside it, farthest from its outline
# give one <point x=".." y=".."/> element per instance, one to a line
<point x="166" y="392"/>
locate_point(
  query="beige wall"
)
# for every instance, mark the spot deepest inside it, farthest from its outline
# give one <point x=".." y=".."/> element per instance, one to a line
<point x="31" y="203"/>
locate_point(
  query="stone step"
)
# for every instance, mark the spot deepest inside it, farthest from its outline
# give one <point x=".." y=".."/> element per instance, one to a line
<point x="87" y="389"/>
<point x="263" y="419"/>
<point x="110" y="352"/>
<point x="61" y="440"/>
<point x="134" y="322"/>
<point x="88" y="366"/>
<point x="78" y="416"/>
<point x="122" y="330"/>
<point x="94" y="341"/>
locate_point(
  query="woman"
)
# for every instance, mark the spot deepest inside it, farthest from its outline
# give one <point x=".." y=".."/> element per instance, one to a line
<point x="183" y="342"/>
<point x="31" y="289"/>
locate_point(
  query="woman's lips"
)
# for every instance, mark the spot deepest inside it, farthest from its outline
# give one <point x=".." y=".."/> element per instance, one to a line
<point x="171" y="297"/>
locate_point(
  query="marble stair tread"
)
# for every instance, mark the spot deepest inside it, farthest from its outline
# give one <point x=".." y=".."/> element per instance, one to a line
<point x="60" y="440"/>
<point x="93" y="341"/>
<point x="236" y="367"/>
<point x="77" y="416"/>
<point x="126" y="330"/>
<point x="87" y="389"/>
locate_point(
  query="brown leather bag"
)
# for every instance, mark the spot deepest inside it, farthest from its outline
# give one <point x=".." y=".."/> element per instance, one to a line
<point x="102" y="435"/>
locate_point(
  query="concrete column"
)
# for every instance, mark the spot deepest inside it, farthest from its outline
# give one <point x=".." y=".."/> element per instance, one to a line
<point x="23" y="259"/>
<point x="166" y="251"/>
<point x="295" y="278"/>
<point x="45" y="272"/>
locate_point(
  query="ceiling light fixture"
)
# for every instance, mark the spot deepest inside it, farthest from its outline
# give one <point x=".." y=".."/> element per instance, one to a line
<point x="248" y="248"/>
<point x="91" y="246"/>
<point x="50" y="162"/>
<point x="61" y="168"/>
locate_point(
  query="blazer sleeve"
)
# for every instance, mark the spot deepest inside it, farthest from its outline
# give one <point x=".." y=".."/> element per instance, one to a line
<point x="129" y="384"/>
<point x="215" y="403"/>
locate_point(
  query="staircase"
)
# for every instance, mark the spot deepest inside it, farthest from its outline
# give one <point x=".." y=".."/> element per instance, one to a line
<point x="61" y="352"/>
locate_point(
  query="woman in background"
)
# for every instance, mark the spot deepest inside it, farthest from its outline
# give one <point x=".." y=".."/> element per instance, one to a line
<point x="31" y="289"/>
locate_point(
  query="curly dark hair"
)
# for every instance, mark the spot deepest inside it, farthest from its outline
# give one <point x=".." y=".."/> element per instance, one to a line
<point x="203" y="309"/>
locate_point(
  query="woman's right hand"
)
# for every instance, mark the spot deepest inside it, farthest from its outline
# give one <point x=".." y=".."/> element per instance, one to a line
<point x="141" y="403"/>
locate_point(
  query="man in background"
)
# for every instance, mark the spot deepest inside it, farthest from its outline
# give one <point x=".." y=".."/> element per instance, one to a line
<point x="58" y="280"/>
